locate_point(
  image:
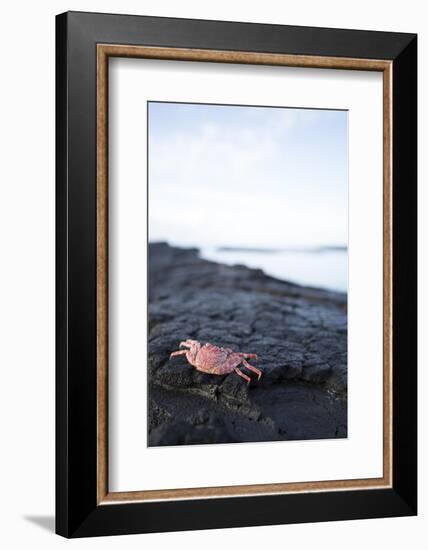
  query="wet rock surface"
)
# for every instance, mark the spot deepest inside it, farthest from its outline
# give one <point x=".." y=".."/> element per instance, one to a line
<point x="299" y="334"/>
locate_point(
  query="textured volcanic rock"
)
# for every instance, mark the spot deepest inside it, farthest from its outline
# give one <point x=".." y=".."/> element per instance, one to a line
<point x="299" y="334"/>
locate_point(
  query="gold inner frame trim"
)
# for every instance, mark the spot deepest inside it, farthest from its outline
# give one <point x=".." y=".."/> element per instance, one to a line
<point x="104" y="51"/>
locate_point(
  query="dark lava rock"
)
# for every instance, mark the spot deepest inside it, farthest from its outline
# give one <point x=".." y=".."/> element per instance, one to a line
<point x="181" y="432"/>
<point x="299" y="334"/>
<point x="315" y="368"/>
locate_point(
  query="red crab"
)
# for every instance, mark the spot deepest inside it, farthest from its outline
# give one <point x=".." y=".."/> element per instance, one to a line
<point x="214" y="360"/>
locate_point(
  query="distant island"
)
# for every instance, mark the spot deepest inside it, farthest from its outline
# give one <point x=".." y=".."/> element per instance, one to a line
<point x="328" y="248"/>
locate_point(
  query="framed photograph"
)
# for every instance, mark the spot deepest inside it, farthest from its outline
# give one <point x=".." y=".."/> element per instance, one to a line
<point x="236" y="274"/>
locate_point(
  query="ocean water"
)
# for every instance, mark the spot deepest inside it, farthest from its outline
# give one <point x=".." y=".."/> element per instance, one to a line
<point x="321" y="268"/>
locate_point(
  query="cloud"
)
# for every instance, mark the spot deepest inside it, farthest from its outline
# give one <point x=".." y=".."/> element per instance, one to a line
<point x="263" y="177"/>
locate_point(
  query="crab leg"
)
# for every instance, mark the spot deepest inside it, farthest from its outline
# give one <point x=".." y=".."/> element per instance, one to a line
<point x="250" y="367"/>
<point x="244" y="376"/>
<point x="249" y="356"/>
<point x="181" y="352"/>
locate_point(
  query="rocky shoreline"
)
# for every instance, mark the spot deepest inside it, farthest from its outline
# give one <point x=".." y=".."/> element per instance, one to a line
<point x="299" y="333"/>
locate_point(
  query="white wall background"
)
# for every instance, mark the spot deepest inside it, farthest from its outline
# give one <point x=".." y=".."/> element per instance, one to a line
<point x="27" y="271"/>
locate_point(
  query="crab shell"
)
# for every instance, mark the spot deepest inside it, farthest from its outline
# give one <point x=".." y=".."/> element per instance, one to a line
<point x="212" y="359"/>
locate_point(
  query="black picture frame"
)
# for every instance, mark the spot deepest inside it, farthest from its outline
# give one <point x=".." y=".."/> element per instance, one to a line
<point x="77" y="512"/>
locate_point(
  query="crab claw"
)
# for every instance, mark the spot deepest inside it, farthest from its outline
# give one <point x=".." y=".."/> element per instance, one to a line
<point x="187" y="343"/>
<point x="184" y="344"/>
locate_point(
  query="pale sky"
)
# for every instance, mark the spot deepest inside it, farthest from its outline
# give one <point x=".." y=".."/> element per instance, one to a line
<point x="247" y="176"/>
